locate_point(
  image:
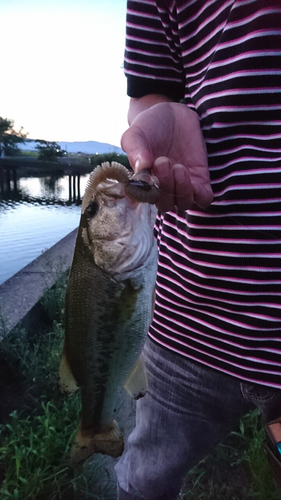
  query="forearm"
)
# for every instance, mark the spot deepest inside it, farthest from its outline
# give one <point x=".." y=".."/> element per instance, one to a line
<point x="137" y="105"/>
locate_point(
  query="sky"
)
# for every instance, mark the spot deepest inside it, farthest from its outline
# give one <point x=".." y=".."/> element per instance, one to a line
<point x="62" y="73"/>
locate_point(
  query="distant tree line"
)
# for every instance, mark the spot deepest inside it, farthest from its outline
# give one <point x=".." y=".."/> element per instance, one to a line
<point x="49" y="151"/>
<point x="10" y="138"/>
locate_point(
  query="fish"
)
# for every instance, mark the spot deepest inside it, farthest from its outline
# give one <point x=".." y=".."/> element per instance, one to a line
<point x="109" y="303"/>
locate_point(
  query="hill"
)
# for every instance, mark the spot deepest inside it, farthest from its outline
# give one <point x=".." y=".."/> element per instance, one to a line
<point x="87" y="147"/>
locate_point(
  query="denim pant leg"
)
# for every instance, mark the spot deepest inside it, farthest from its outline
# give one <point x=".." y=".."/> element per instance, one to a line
<point x="188" y="408"/>
<point x="266" y="399"/>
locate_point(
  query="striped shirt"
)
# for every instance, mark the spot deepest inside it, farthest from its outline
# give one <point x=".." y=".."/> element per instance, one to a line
<point x="218" y="292"/>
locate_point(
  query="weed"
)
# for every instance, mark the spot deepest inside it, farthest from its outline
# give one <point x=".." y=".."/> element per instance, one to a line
<point x="36" y="356"/>
<point x="35" y="446"/>
<point x="35" y="441"/>
<point x="53" y="299"/>
<point x="237" y="469"/>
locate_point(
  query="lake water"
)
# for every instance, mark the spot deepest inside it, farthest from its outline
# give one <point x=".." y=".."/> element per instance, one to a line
<point x="34" y="215"/>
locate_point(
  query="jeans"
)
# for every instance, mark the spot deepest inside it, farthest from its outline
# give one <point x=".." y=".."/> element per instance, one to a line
<point x="187" y="410"/>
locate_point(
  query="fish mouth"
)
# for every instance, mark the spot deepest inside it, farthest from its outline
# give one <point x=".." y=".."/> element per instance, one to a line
<point x="115" y="181"/>
<point x="141" y="187"/>
<point x="112" y="189"/>
<point x="113" y="238"/>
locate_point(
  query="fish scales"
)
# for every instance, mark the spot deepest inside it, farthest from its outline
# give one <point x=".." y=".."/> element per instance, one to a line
<point x="101" y="341"/>
<point x="108" y="308"/>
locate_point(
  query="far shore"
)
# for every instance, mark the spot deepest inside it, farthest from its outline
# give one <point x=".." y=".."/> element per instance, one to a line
<point x="25" y="165"/>
<point x="73" y="164"/>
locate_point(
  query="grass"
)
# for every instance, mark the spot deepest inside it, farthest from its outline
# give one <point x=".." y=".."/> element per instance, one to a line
<point x="237" y="469"/>
<point x="32" y="154"/>
<point x="35" y="439"/>
<point x="35" y="449"/>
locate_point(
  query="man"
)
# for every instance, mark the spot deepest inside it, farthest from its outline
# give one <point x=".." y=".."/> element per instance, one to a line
<point x="205" y="117"/>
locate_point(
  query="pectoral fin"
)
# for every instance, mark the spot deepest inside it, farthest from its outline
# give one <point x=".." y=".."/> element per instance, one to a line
<point x="136" y="383"/>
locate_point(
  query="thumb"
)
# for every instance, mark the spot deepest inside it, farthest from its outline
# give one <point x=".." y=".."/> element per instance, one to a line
<point x="136" y="147"/>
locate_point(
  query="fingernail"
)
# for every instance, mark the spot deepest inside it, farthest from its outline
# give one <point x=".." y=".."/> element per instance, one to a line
<point x="163" y="166"/>
<point x="179" y="173"/>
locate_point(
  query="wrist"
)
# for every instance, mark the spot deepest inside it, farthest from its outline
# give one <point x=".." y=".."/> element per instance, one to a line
<point x="138" y="105"/>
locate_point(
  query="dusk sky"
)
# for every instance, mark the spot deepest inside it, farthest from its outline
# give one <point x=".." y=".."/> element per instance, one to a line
<point x="61" y="62"/>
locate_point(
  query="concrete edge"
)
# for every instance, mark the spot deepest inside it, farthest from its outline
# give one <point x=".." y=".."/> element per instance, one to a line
<point x="20" y="293"/>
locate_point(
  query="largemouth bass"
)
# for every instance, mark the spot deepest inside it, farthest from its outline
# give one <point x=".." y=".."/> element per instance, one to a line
<point x="108" y="305"/>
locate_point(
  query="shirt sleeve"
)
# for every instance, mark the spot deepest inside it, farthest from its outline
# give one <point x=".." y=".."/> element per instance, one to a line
<point x="152" y="63"/>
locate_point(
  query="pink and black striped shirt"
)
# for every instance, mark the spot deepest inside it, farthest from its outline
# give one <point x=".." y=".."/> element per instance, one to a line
<point x="218" y="293"/>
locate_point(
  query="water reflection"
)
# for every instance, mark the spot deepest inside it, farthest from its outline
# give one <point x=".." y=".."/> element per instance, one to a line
<point x="35" y="213"/>
<point x="8" y="180"/>
<point x="49" y="186"/>
<point x="47" y="189"/>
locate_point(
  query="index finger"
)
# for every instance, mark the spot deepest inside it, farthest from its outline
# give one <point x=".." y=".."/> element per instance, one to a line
<point x="163" y="170"/>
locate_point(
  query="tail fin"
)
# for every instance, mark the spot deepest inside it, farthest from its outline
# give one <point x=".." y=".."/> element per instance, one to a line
<point x="109" y="443"/>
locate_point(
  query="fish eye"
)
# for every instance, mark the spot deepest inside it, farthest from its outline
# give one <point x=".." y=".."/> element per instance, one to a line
<point x="91" y="209"/>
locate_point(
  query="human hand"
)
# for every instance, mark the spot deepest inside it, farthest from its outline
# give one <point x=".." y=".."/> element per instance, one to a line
<point x="166" y="139"/>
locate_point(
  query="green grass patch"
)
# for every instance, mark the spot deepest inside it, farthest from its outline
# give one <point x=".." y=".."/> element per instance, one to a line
<point x="36" y="438"/>
<point x="237" y="469"/>
<point x="35" y="448"/>
<point x="29" y="154"/>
